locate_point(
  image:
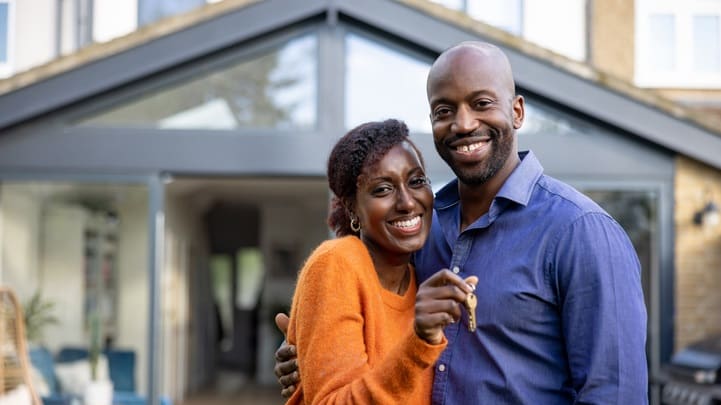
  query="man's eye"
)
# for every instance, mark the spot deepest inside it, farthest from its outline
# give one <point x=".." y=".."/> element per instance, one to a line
<point x="441" y="112"/>
<point x="420" y="181"/>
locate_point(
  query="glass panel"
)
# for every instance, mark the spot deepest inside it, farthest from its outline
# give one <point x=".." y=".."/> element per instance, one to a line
<point x="153" y="10"/>
<point x="4" y="32"/>
<point x="222" y="269"/>
<point x="250" y="278"/>
<point x="81" y="250"/>
<point x="706" y="49"/>
<point x="539" y="120"/>
<point x="661" y="42"/>
<point x="274" y="90"/>
<point x="504" y="14"/>
<point x="636" y="212"/>
<point x="112" y="19"/>
<point x="567" y="38"/>
<point x="382" y="83"/>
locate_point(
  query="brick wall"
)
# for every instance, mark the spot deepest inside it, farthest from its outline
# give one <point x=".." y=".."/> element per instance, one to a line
<point x="612" y="37"/>
<point x="698" y="254"/>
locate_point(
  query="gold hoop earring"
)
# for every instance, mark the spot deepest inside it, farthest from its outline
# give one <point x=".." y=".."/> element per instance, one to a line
<point x="355" y="224"/>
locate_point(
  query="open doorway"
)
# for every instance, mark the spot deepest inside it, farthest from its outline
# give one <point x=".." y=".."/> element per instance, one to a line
<point x="233" y="247"/>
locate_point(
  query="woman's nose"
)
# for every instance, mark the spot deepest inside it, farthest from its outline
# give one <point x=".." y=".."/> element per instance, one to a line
<point x="405" y="201"/>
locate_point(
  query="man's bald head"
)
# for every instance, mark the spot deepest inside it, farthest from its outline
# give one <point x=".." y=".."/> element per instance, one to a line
<point x="485" y="57"/>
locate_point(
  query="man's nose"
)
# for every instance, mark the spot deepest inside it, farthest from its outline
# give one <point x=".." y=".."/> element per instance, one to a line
<point x="464" y="122"/>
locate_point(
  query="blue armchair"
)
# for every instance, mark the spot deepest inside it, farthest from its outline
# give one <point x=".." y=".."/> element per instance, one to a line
<point x="121" y="365"/>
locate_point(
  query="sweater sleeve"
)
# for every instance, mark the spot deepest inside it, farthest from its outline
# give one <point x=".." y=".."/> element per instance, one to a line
<point x="333" y="361"/>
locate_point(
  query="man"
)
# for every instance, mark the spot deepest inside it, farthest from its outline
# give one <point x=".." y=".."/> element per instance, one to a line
<point x="560" y="313"/>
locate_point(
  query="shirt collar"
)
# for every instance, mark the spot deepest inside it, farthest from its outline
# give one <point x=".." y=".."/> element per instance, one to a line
<point x="517" y="188"/>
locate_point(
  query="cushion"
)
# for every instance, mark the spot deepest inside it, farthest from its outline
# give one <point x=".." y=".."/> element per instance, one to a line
<point x="20" y="395"/>
<point x="38" y="381"/>
<point x="74" y="376"/>
<point x="42" y="360"/>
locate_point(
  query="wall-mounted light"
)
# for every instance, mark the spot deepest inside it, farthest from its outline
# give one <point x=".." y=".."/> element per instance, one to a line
<point x="708" y="216"/>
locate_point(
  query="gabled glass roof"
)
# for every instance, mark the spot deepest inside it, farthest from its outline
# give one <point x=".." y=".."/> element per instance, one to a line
<point x="276" y="89"/>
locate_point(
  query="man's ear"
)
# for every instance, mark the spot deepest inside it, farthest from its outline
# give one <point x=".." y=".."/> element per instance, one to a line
<point x="519" y="111"/>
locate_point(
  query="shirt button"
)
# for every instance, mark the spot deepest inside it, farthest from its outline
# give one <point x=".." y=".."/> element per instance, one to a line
<point x="456" y="269"/>
<point x="442" y="367"/>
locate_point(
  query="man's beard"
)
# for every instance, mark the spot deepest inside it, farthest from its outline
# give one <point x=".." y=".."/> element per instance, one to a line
<point x="500" y="149"/>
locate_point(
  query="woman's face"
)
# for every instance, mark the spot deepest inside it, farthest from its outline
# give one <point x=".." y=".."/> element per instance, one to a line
<point x="394" y="204"/>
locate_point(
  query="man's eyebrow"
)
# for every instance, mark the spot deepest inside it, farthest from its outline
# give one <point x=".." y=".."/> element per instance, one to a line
<point x="474" y="94"/>
<point x="439" y="100"/>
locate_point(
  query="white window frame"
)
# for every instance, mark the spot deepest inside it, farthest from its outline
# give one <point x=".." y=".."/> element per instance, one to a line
<point x="6" y="67"/>
<point x="683" y="75"/>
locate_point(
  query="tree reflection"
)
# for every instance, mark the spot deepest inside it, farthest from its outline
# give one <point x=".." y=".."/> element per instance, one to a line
<point x="272" y="90"/>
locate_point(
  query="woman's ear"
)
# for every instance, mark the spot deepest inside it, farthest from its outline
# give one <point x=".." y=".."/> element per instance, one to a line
<point x="349" y="207"/>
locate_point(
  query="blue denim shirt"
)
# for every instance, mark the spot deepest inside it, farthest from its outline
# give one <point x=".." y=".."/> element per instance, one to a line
<point x="561" y="316"/>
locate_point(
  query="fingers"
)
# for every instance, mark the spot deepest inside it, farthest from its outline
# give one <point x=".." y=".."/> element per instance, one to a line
<point x="288" y="382"/>
<point x="285" y="362"/>
<point x="287" y="392"/>
<point x="438" y="303"/>
<point x="471" y="281"/>
<point x="285" y="353"/>
<point x="288" y="374"/>
<point x="444" y="284"/>
<point x="282" y="321"/>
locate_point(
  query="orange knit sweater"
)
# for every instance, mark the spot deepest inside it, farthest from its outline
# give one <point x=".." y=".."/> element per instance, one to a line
<point x="355" y="339"/>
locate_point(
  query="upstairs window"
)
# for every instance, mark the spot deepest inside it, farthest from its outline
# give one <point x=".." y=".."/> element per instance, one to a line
<point x="6" y="31"/>
<point x="678" y="43"/>
<point x="533" y="21"/>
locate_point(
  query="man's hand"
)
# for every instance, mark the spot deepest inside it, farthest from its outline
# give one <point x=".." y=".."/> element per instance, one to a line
<point x="438" y="303"/>
<point x="286" y="363"/>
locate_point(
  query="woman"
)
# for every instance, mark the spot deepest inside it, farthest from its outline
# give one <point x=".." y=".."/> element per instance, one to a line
<point x="352" y="317"/>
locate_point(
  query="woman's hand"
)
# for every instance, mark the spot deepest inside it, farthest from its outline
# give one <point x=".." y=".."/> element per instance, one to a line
<point x="438" y="303"/>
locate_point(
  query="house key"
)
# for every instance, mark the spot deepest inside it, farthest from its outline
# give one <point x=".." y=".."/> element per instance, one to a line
<point x="471" y="303"/>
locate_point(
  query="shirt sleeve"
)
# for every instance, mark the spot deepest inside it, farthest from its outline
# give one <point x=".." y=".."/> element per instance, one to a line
<point x="602" y="311"/>
<point x="332" y="355"/>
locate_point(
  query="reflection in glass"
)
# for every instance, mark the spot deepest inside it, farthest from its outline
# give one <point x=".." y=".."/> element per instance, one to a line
<point x="539" y="120"/>
<point x="250" y="277"/>
<point x="221" y="267"/>
<point x="80" y="246"/>
<point x="706" y="47"/>
<point x="636" y="212"/>
<point x="273" y="90"/>
<point x="382" y="83"/>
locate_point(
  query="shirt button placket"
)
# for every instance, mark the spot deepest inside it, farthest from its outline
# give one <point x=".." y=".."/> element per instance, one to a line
<point x="461" y="250"/>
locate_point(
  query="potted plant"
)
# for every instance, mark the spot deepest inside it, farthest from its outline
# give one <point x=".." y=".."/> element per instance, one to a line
<point x="99" y="391"/>
<point x="38" y="314"/>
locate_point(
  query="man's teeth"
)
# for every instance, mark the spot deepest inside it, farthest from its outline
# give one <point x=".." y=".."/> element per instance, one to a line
<point x="469" y="148"/>
<point x="407" y="223"/>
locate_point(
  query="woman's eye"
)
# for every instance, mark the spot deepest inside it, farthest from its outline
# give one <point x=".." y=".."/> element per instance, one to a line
<point x="381" y="190"/>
